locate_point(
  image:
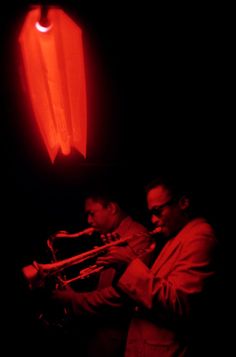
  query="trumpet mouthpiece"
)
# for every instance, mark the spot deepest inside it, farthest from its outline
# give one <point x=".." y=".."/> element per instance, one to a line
<point x="156" y="231"/>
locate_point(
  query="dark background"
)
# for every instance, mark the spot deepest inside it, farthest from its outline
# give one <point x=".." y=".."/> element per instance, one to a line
<point x="159" y="100"/>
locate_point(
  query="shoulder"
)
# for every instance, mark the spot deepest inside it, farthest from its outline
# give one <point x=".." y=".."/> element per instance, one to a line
<point x="135" y="227"/>
<point x="199" y="226"/>
<point x="200" y="236"/>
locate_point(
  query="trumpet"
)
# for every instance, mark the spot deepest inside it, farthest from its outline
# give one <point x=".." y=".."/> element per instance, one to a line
<point x="36" y="271"/>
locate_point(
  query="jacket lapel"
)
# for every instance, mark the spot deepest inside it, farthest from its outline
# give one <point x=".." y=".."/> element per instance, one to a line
<point x="172" y="245"/>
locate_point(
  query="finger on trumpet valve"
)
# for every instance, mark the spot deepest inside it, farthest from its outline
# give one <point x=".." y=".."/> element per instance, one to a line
<point x="109" y="237"/>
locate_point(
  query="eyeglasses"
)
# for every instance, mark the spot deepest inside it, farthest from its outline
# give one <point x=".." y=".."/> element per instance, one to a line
<point x="157" y="211"/>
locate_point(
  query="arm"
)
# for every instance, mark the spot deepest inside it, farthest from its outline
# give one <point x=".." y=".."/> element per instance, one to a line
<point x="105" y="299"/>
<point x="172" y="296"/>
<point x="98" y="302"/>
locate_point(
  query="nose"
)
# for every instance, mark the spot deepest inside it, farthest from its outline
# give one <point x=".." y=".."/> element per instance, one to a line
<point x="154" y="219"/>
<point x="90" y="220"/>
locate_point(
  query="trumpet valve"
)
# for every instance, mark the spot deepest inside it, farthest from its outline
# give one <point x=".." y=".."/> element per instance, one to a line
<point x="109" y="237"/>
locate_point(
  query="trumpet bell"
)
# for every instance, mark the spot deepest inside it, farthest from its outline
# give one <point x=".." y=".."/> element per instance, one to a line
<point x="30" y="272"/>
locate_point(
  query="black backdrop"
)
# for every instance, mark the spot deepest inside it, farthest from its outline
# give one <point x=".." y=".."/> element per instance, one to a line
<point x="159" y="100"/>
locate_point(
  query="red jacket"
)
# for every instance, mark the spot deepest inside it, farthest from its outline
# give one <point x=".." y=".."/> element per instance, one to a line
<point x="167" y="294"/>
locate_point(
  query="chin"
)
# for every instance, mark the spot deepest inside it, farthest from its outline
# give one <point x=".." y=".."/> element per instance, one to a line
<point x="165" y="232"/>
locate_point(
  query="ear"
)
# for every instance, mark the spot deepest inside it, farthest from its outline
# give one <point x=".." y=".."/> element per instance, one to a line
<point x="113" y="207"/>
<point x="184" y="203"/>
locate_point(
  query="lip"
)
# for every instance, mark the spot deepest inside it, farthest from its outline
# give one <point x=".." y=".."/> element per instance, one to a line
<point x="156" y="230"/>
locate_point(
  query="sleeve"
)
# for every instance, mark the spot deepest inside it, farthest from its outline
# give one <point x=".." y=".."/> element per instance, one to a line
<point x="98" y="302"/>
<point x="171" y="296"/>
<point x="105" y="300"/>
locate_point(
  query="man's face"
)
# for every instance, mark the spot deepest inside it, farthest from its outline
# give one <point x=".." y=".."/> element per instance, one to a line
<point x="166" y="213"/>
<point x="99" y="216"/>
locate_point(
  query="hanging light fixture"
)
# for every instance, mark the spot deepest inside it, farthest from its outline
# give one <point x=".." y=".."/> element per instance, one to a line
<point x="53" y="61"/>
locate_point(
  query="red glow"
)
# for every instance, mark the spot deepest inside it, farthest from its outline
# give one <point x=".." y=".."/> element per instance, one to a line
<point x="54" y="69"/>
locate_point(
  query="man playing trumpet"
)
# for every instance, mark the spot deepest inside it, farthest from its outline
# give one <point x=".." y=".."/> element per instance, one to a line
<point x="107" y="312"/>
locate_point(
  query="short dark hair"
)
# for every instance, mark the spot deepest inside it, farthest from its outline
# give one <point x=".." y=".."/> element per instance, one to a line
<point x="105" y="194"/>
<point x="101" y="197"/>
<point x="177" y="185"/>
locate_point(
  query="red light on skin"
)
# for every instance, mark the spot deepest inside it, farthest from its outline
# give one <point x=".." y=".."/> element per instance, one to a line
<point x="54" y="70"/>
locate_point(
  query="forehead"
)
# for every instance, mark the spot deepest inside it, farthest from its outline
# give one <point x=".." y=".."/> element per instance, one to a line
<point x="157" y="196"/>
<point x="91" y="204"/>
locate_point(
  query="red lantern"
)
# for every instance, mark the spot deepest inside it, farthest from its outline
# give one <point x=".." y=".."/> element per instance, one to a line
<point x="54" y="69"/>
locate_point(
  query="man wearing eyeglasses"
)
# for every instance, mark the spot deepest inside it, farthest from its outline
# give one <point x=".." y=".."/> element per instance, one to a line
<point x="170" y="295"/>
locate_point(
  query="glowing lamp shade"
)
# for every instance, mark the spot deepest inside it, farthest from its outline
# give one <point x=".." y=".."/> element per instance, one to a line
<point x="54" y="70"/>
